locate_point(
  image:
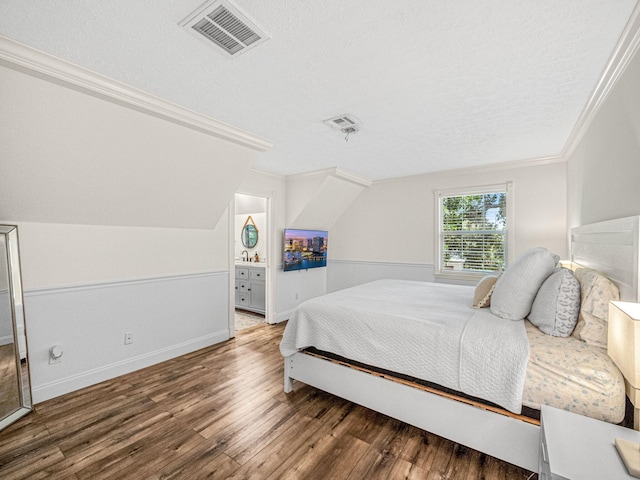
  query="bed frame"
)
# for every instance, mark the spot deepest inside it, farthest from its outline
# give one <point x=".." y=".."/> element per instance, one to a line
<point x="611" y="247"/>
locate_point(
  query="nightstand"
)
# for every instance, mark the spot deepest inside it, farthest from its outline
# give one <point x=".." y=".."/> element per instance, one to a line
<point x="574" y="447"/>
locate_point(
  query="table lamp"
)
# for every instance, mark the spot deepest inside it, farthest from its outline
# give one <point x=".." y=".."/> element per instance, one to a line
<point x="623" y="347"/>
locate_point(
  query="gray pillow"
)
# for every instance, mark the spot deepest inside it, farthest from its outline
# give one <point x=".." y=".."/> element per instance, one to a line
<point x="517" y="287"/>
<point x="557" y="304"/>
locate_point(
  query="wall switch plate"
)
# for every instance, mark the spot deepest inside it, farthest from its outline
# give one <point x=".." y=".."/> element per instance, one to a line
<point x="128" y="338"/>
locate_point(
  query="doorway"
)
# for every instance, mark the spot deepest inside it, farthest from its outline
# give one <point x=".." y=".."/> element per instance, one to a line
<point x="251" y="242"/>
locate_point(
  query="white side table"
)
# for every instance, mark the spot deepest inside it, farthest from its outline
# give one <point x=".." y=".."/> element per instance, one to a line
<point x="574" y="447"/>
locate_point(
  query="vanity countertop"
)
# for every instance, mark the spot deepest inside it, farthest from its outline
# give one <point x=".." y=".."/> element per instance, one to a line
<point x="240" y="263"/>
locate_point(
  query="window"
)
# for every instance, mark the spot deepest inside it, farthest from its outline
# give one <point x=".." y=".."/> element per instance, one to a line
<point x="473" y="230"/>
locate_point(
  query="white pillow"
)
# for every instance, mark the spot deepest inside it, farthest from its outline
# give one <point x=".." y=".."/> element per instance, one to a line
<point x="516" y="288"/>
<point x="557" y="304"/>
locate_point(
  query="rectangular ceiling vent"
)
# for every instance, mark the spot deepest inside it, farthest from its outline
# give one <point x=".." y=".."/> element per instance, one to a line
<point x="342" y="122"/>
<point x="220" y="23"/>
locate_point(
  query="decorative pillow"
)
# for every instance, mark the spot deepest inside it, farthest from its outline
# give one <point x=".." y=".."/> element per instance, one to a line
<point x="557" y="305"/>
<point x="596" y="293"/>
<point x="517" y="286"/>
<point x="484" y="289"/>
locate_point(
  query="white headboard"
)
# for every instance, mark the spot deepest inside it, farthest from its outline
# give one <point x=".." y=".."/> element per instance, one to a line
<point x="611" y="247"/>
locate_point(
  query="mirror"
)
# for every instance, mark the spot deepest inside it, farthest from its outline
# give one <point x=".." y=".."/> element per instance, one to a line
<point x="249" y="233"/>
<point x="15" y="388"/>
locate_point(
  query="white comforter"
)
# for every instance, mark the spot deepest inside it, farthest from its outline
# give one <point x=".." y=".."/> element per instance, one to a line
<point x="426" y="330"/>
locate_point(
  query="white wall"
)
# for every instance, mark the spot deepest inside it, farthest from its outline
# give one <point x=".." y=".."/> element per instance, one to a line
<point x="286" y="289"/>
<point x="604" y="169"/>
<point x="56" y="255"/>
<point x="393" y="222"/>
<point x="317" y="199"/>
<point x="124" y="227"/>
<point x="70" y="157"/>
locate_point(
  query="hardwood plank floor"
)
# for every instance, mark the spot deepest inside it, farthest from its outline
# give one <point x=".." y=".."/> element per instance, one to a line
<point x="221" y="413"/>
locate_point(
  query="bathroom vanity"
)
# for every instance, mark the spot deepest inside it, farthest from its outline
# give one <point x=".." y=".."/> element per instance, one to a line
<point x="250" y="286"/>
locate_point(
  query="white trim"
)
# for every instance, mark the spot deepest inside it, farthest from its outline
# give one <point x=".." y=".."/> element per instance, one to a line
<point x="106" y="372"/>
<point x="348" y="273"/>
<point x="472" y="190"/>
<point x="118" y="283"/>
<point x="27" y="59"/>
<point x="283" y="316"/>
<point x="231" y="254"/>
<point x="270" y="280"/>
<point x="334" y="172"/>
<point x="624" y="51"/>
<point x="382" y="264"/>
<point x="267" y="174"/>
<point x="483" y="169"/>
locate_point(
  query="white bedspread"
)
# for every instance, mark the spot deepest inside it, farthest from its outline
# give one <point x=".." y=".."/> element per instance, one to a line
<point x="426" y="330"/>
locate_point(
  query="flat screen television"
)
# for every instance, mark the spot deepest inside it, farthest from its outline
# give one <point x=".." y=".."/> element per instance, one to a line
<point x="304" y="249"/>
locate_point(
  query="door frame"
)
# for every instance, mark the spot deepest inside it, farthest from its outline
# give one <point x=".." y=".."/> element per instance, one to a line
<point x="269" y="280"/>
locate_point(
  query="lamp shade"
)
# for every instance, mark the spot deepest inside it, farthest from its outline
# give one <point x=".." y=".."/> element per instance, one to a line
<point x="623" y="345"/>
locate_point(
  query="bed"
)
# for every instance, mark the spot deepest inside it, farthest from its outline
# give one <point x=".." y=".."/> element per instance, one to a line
<point x="452" y="399"/>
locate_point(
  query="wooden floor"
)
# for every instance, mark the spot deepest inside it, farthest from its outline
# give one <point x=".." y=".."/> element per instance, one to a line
<point x="221" y="413"/>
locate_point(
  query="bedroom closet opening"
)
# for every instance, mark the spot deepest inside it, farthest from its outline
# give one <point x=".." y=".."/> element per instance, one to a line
<point x="251" y="239"/>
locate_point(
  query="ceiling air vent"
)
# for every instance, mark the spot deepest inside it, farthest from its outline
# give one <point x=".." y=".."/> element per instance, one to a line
<point x="220" y="23"/>
<point x="343" y="121"/>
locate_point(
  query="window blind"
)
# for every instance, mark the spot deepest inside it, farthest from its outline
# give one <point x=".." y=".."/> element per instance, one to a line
<point x="473" y="232"/>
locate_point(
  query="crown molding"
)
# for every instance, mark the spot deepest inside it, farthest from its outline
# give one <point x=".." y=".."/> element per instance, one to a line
<point x="333" y="172"/>
<point x="21" y="57"/>
<point x="491" y="167"/>
<point x="624" y="51"/>
<point x="256" y="171"/>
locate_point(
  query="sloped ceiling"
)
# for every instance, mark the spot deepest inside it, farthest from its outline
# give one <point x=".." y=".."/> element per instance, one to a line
<point x="69" y="157"/>
<point x="437" y="85"/>
<point x="317" y="200"/>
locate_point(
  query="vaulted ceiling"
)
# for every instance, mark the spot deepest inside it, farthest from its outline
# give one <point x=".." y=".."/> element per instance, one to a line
<point x="436" y="85"/>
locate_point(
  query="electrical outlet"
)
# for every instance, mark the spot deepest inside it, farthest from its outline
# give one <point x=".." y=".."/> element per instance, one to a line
<point x="128" y="338"/>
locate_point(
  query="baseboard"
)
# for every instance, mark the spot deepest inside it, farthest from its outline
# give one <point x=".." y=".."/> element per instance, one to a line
<point x="283" y="316"/>
<point x="69" y="384"/>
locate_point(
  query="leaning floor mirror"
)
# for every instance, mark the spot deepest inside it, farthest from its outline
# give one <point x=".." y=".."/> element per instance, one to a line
<point x="15" y="388"/>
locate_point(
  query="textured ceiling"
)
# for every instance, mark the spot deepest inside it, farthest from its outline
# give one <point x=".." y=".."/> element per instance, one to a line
<point x="437" y="85"/>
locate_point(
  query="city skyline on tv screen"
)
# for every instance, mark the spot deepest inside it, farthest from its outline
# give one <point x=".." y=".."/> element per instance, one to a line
<point x="304" y="249"/>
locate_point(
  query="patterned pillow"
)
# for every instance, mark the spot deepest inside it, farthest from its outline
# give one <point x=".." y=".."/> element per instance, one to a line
<point x="517" y="286"/>
<point x="557" y="304"/>
<point x="596" y="293"/>
<point x="484" y="289"/>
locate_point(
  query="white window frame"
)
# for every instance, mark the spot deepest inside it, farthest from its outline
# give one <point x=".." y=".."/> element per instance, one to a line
<point x="506" y="187"/>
